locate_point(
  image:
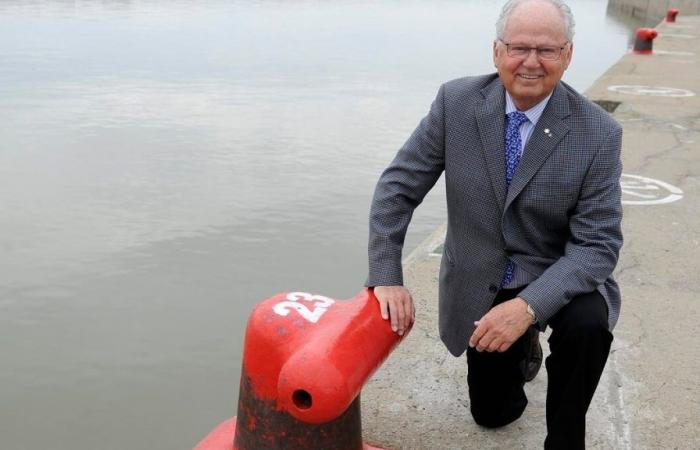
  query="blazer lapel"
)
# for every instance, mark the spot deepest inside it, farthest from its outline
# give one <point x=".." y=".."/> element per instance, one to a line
<point x="490" y="119"/>
<point x="548" y="132"/>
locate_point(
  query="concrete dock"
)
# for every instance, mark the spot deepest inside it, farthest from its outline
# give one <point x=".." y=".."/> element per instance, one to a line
<point x="649" y="395"/>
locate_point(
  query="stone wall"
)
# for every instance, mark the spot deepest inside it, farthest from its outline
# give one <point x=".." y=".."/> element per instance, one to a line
<point x="655" y="9"/>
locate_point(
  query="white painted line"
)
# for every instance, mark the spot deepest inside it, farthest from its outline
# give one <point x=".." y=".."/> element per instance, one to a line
<point x="673" y="52"/>
<point x="639" y="190"/>
<point x="654" y="91"/>
<point x="621" y="426"/>
<point x="680" y="36"/>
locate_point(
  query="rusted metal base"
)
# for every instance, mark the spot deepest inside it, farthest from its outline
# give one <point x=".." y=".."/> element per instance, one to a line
<point x="221" y="438"/>
<point x="261" y="424"/>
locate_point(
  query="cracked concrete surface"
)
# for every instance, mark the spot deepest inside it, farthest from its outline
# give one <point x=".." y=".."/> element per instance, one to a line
<point x="649" y="395"/>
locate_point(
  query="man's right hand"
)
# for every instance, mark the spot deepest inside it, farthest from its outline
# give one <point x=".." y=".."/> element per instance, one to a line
<point x="396" y="304"/>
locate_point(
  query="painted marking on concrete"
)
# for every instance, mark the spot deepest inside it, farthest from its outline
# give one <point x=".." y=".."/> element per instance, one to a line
<point x="673" y="52"/>
<point x="654" y="91"/>
<point x="622" y="432"/>
<point x="639" y="190"/>
<point x="679" y="36"/>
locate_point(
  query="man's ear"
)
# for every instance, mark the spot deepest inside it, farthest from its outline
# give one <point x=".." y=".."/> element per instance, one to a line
<point x="569" y="55"/>
<point x="495" y="52"/>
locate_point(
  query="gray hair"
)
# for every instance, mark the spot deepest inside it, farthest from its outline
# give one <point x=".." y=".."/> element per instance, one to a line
<point x="562" y="7"/>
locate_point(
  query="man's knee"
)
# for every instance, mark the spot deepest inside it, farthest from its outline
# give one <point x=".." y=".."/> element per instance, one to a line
<point x="586" y="315"/>
<point x="583" y="324"/>
<point x="586" y="328"/>
<point x="494" y="415"/>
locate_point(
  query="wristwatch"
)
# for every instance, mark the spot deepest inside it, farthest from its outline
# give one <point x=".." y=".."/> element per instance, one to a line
<point x="532" y="313"/>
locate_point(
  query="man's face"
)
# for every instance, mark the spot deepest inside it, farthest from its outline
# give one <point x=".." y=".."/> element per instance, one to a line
<point x="530" y="79"/>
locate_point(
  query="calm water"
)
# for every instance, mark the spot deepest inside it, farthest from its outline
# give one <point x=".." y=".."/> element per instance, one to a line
<point x="164" y="165"/>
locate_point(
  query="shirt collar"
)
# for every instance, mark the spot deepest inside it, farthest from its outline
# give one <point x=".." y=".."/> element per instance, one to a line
<point x="533" y="114"/>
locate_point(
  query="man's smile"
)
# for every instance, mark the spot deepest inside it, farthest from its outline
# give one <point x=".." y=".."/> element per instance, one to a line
<point x="529" y="77"/>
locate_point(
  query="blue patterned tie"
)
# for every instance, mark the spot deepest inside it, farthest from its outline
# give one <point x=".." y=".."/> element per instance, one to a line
<point x="513" y="146"/>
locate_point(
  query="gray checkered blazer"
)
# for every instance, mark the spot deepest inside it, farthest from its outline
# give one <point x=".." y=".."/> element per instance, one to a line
<point x="559" y="221"/>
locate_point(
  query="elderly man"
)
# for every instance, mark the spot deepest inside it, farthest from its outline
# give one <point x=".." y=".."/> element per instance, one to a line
<point x="532" y="179"/>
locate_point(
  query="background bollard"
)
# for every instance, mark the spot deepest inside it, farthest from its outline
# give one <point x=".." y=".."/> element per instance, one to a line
<point x="671" y="15"/>
<point x="643" y="40"/>
<point x="305" y="360"/>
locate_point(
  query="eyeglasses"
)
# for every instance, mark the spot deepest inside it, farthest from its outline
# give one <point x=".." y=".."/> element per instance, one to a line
<point x="548" y="52"/>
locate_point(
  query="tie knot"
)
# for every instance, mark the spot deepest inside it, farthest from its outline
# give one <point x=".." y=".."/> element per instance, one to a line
<point x="516" y="118"/>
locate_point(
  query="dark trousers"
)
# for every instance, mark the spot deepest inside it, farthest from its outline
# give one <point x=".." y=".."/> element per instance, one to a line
<point x="579" y="346"/>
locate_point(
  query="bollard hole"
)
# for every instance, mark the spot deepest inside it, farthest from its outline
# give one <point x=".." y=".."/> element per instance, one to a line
<point x="302" y="399"/>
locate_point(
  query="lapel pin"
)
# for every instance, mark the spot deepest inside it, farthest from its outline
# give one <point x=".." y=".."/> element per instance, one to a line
<point x="547" y="132"/>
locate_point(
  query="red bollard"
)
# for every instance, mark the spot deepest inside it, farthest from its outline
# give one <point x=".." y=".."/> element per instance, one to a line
<point x="305" y="360"/>
<point x="643" y="40"/>
<point x="671" y="15"/>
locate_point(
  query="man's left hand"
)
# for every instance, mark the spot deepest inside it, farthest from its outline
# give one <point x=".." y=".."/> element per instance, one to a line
<point x="501" y="326"/>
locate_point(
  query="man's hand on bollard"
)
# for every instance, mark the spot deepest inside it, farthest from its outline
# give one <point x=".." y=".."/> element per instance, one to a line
<point x="396" y="304"/>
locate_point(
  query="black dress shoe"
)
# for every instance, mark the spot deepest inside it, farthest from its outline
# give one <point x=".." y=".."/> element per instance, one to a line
<point x="533" y="354"/>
